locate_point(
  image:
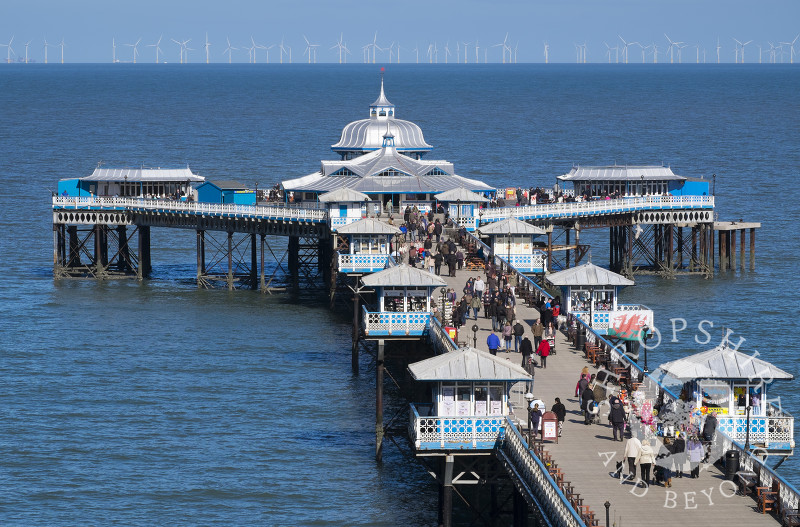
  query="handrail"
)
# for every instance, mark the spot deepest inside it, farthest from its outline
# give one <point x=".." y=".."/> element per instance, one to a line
<point x="608" y="206"/>
<point x="442" y="343"/>
<point x="534" y="474"/>
<point x="272" y="210"/>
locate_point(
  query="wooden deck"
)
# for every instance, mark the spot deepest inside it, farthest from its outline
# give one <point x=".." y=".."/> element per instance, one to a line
<point x="587" y="454"/>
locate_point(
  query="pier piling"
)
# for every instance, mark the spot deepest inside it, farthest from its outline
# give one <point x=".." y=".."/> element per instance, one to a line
<point x="379" y="401"/>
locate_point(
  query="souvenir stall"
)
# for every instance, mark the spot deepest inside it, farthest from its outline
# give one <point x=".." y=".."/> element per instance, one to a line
<point x="734" y="384"/>
<point x="404" y="301"/>
<point x="462" y="205"/>
<point x="368" y="244"/>
<point x="469" y="399"/>
<point x="590" y="293"/>
<point x="512" y="240"/>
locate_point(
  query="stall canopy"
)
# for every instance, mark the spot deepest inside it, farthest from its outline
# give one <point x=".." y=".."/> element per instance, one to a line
<point x="511" y="226"/>
<point x="460" y="194"/>
<point x="467" y="364"/>
<point x="588" y="274"/>
<point x="403" y="276"/>
<point x="368" y="226"/>
<point x="723" y="362"/>
<point x="343" y="195"/>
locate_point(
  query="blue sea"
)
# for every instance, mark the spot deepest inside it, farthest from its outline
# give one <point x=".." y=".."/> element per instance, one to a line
<point x="158" y="403"/>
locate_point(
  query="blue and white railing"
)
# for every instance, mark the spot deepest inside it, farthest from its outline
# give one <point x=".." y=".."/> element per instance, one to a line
<point x="395" y="323"/>
<point x="364" y="263"/>
<point x="463" y="432"/>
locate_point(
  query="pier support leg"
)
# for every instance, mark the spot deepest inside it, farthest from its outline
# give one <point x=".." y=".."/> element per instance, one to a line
<point x="550" y="251"/>
<point x="447" y="492"/>
<point x="354" y="352"/>
<point x="670" y="249"/>
<point x="229" y="279"/>
<point x="693" y="257"/>
<point x="629" y="257"/>
<point x="201" y="256"/>
<point x="75" y="244"/>
<point x="144" y="253"/>
<point x="379" y="401"/>
<point x="124" y="256"/>
<point x="752" y="249"/>
<point x="679" y="250"/>
<point x="711" y="252"/>
<point x="253" y="262"/>
<point x="294" y="255"/>
<point x="732" y="245"/>
<point x="568" y="251"/>
<point x="520" y="510"/>
<point x="741" y="248"/>
<point x="98" y="251"/>
<point x="262" y="283"/>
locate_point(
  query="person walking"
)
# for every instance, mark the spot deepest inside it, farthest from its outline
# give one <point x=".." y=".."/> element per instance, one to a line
<point x="536" y="418"/>
<point x="526" y="348"/>
<point x="561" y="413"/>
<point x="587" y="399"/>
<point x="696" y="452"/>
<point x="632" y="448"/>
<point x="709" y="429"/>
<point x="480" y="286"/>
<point x="437" y="263"/>
<point x="492" y="311"/>
<point x="507" y="332"/>
<point x="476" y="305"/>
<point x="493" y="342"/>
<point x="543" y="351"/>
<point x="617" y="417"/>
<point x="679" y="454"/>
<point x="538" y="331"/>
<point x="645" y="459"/>
<point x="519" y="330"/>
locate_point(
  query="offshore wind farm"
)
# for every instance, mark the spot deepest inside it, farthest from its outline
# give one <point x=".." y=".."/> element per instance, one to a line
<point x="652" y="49"/>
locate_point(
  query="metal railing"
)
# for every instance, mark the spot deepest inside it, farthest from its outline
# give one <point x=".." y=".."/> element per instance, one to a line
<point x="281" y="211"/>
<point x="378" y="323"/>
<point x="363" y="262"/>
<point x="591" y="208"/>
<point x="530" y="472"/>
<point x="461" y="431"/>
<point x="439" y="338"/>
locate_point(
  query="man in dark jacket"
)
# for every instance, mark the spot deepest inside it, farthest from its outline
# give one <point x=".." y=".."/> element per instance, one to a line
<point x="617" y="417"/>
<point x="437" y="230"/>
<point x="518" y="331"/>
<point x="561" y="412"/>
<point x="587" y="399"/>
<point x="526" y="348"/>
<point x="437" y="263"/>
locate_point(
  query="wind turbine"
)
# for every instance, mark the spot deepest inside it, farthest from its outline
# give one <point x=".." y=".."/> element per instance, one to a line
<point x="28" y="43"/>
<point x="515" y="52"/>
<point x="697" y="46"/>
<point x="430" y="53"/>
<point x="791" y="48"/>
<point x="505" y="46"/>
<point x="446" y="52"/>
<point x="466" y="45"/>
<point x="718" y="48"/>
<point x="251" y="51"/>
<point x="340" y="46"/>
<point x="310" y="49"/>
<point x="374" y="46"/>
<point x="547" y="52"/>
<point x="281" y="48"/>
<point x="267" y="48"/>
<point x="46" y="45"/>
<point x="608" y="52"/>
<point x="157" y="46"/>
<point x="672" y="46"/>
<point x="772" y="49"/>
<point x="627" y="44"/>
<point x="655" y="52"/>
<point x="207" y="45"/>
<point x="10" y="49"/>
<point x="458" y="52"/>
<point x="743" y="45"/>
<point x="229" y="49"/>
<point x="61" y="45"/>
<point x="135" y="49"/>
<point x="416" y="50"/>
<point x="113" y="50"/>
<point x="477" y="60"/>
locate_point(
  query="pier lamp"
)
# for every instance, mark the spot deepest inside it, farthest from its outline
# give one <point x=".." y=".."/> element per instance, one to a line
<point x="645" y="332"/>
<point x="474" y="335"/>
<point x="607" y="505"/>
<point x="480" y="216"/>
<point x="529" y="397"/>
<point x="642" y="189"/>
<point x="256" y="183"/>
<point x="458" y="212"/>
<point x="747" y="432"/>
<point x="444" y="293"/>
<point x="714" y="187"/>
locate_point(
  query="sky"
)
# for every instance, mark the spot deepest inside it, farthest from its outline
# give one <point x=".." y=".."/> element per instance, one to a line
<point x="88" y="27"/>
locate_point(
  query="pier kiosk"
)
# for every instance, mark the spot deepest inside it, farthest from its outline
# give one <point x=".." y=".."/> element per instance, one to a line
<point x="173" y="183"/>
<point x="364" y="246"/>
<point x="404" y="302"/>
<point x="590" y="294"/>
<point x="597" y="182"/>
<point x="512" y="240"/>
<point x="734" y="384"/>
<point x="464" y="422"/>
<point x="462" y="205"/>
<point x="344" y="205"/>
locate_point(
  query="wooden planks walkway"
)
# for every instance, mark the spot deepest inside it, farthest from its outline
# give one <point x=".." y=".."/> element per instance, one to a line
<point x="587" y="455"/>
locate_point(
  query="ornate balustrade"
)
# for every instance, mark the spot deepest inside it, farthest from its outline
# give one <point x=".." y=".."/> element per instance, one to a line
<point x="633" y="315"/>
<point x="456" y="432"/>
<point x="391" y="323"/>
<point x="439" y="338"/>
<point x="599" y="207"/>
<point x="769" y="432"/>
<point x="363" y="263"/>
<point x="273" y="211"/>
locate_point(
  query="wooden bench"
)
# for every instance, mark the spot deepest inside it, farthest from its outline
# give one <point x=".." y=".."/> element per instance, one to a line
<point x="767" y="498"/>
<point x="746" y="482"/>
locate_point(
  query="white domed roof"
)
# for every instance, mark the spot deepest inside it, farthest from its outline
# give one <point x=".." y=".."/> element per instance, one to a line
<point x="367" y="134"/>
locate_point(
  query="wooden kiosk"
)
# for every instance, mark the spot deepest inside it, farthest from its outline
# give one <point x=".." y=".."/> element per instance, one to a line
<point x="512" y="240"/>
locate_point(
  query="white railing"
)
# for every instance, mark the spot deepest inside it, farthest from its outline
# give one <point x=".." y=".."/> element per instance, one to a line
<point x="379" y="323"/>
<point x="456" y="431"/>
<point x="763" y="430"/>
<point x="439" y="338"/>
<point x="589" y="208"/>
<point x="363" y="262"/>
<point x="535" y="479"/>
<point x="271" y="211"/>
<point x="529" y="263"/>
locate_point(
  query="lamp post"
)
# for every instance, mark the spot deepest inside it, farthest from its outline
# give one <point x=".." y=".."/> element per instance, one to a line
<point x="645" y="332"/>
<point x="444" y="313"/>
<point x="714" y="187"/>
<point x="747" y="432"/>
<point x="529" y="398"/>
<point x="474" y="335"/>
<point x="458" y="213"/>
<point x="642" y="189"/>
<point x="125" y="188"/>
<point x="607" y="505"/>
<point x="256" y="183"/>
